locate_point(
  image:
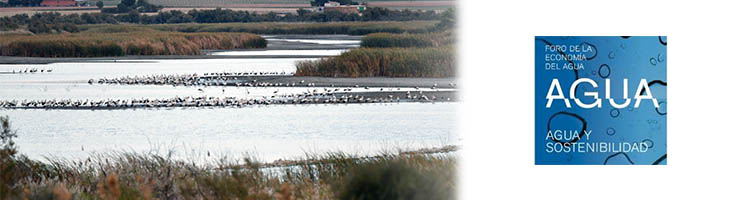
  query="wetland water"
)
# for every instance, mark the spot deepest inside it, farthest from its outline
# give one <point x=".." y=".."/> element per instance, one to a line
<point x="268" y="132"/>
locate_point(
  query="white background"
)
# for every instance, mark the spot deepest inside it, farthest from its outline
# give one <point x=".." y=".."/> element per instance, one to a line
<point x="708" y="125"/>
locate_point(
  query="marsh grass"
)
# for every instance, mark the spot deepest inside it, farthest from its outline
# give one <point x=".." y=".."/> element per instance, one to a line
<point x="422" y="174"/>
<point x="386" y="62"/>
<point x="328" y="176"/>
<point x="386" y="40"/>
<point x="118" y="41"/>
<point x="424" y="54"/>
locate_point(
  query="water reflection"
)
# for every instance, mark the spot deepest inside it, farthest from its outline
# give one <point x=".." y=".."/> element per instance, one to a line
<point x="269" y="132"/>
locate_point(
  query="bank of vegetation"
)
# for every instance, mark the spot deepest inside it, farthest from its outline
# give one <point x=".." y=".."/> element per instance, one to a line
<point x="349" y="28"/>
<point x="385" y="40"/>
<point x="427" y="54"/>
<point x="407" y="175"/>
<point x="120" y="42"/>
<point x="38" y="22"/>
<point x="387" y="62"/>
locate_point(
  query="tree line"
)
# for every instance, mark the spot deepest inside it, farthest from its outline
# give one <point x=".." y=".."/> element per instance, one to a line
<point x="52" y="21"/>
<point x="126" y="6"/>
<point x="21" y="3"/>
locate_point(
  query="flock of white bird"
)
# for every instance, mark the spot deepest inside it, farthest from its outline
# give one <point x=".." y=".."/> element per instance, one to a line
<point x="325" y="95"/>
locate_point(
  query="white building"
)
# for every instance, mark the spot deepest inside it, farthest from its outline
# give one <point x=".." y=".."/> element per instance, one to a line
<point x="332" y="4"/>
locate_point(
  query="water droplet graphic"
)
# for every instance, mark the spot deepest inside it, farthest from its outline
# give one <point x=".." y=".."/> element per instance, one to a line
<point x="575" y="117"/>
<point x="649" y="142"/>
<point x="660" y="57"/>
<point x="653" y="61"/>
<point x="663" y="40"/>
<point x="611" y="55"/>
<point x="619" y="158"/>
<point x="591" y="54"/>
<point x="611" y="131"/>
<point x="662" y="110"/>
<point x="604" y="71"/>
<point x="614" y="112"/>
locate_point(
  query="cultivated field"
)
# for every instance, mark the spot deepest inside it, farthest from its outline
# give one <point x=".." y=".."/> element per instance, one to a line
<point x="260" y="6"/>
<point x="32" y="10"/>
<point x="260" y="10"/>
<point x="291" y="3"/>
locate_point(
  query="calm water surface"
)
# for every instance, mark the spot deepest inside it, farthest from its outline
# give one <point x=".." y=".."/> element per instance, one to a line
<point x="81" y="72"/>
<point x="266" y="132"/>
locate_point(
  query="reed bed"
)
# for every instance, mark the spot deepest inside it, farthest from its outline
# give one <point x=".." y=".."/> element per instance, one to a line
<point x="349" y="28"/>
<point x="386" y="40"/>
<point x="153" y="176"/>
<point x="387" y="62"/>
<point x="421" y="174"/>
<point x="331" y="176"/>
<point x="112" y="42"/>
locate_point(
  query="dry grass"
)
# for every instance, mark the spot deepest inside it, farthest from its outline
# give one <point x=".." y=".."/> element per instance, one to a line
<point x="330" y="176"/>
<point x="10" y="11"/>
<point x="118" y="41"/>
<point x="421" y="174"/>
<point x="384" y="40"/>
<point x="388" y="62"/>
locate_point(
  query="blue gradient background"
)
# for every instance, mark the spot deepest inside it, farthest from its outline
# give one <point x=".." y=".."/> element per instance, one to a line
<point x="633" y="58"/>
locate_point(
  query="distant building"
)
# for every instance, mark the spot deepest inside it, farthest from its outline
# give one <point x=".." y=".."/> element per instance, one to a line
<point x="331" y="4"/>
<point x="343" y="9"/>
<point x="58" y="3"/>
<point x="336" y="6"/>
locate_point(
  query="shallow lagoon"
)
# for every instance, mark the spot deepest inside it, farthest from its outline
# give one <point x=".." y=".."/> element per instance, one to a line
<point x="265" y="132"/>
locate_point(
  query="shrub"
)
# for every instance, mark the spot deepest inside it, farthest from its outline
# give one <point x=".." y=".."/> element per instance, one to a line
<point x="8" y="178"/>
<point x="397" y="179"/>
